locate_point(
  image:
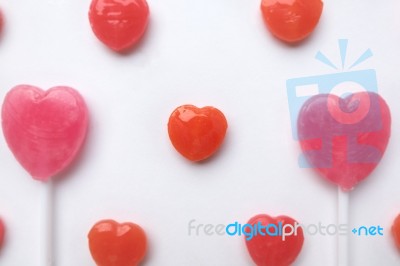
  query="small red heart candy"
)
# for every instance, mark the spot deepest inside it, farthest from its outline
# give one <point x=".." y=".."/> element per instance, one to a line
<point x="270" y="249"/>
<point x="114" y="244"/>
<point x="44" y="130"/>
<point x="197" y="133"/>
<point x="2" y="232"/>
<point x="119" y="24"/>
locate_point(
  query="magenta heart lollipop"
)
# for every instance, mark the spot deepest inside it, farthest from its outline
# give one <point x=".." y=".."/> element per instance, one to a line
<point x="44" y="130"/>
<point x="344" y="139"/>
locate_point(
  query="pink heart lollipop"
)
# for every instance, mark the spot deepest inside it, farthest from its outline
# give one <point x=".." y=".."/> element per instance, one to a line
<point x="344" y="139"/>
<point x="44" y="130"/>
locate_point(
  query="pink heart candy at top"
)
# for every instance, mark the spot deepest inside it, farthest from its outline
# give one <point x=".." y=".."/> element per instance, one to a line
<point x="344" y="138"/>
<point x="44" y="129"/>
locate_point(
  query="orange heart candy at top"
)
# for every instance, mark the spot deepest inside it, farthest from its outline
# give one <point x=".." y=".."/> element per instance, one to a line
<point x="2" y="231"/>
<point x="197" y="133"/>
<point x="119" y="24"/>
<point x="114" y="244"/>
<point x="396" y="231"/>
<point x="291" y="20"/>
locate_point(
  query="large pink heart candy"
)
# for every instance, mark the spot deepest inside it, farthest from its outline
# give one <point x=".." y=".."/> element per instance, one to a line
<point x="344" y="138"/>
<point x="44" y="130"/>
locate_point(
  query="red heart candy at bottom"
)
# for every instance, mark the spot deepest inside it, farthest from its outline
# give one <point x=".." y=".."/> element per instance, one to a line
<point x="2" y="232"/>
<point x="396" y="231"/>
<point x="44" y="129"/>
<point x="270" y="249"/>
<point x="344" y="139"/>
<point x="115" y="244"/>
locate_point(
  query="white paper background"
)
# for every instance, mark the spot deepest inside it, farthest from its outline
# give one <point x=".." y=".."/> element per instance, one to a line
<point x="204" y="53"/>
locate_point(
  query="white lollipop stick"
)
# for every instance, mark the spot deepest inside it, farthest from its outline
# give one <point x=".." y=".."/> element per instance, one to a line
<point x="48" y="227"/>
<point x="343" y="219"/>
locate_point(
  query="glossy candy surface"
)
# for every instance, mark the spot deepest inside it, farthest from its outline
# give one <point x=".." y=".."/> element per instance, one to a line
<point x="119" y="24"/>
<point x="114" y="244"/>
<point x="344" y="139"/>
<point x="197" y="133"/>
<point x="291" y="20"/>
<point x="44" y="129"/>
<point x="270" y="249"/>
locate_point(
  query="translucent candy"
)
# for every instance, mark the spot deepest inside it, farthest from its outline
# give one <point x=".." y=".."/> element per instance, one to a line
<point x="44" y="130"/>
<point x="344" y="139"/>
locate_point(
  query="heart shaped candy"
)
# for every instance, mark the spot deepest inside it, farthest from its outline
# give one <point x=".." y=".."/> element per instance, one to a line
<point x="114" y="244"/>
<point x="44" y="130"/>
<point x="270" y="249"/>
<point x="293" y="20"/>
<point x="119" y="24"/>
<point x="344" y="139"/>
<point x="197" y="133"/>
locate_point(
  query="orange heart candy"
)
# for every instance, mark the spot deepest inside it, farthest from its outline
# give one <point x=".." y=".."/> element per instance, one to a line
<point x="115" y="244"/>
<point x="197" y="133"/>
